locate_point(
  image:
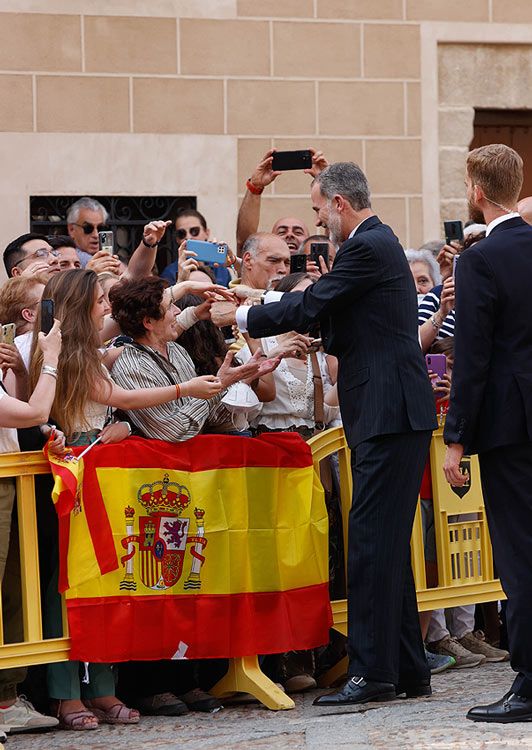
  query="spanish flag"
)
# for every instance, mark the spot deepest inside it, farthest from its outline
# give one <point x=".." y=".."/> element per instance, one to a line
<point x="214" y="547"/>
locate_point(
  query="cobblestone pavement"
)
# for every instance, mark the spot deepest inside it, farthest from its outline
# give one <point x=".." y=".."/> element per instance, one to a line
<point x="437" y="723"/>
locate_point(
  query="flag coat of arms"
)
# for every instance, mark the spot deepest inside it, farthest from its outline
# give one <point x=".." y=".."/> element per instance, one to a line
<point x="215" y="547"/>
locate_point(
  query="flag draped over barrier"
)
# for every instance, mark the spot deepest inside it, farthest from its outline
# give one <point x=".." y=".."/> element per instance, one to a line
<point x="215" y="547"/>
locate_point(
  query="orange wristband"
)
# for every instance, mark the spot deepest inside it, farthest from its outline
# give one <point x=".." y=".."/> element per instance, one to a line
<point x="253" y="188"/>
<point x="177" y="391"/>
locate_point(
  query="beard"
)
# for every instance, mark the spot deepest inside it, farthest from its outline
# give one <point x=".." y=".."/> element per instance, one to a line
<point x="334" y="225"/>
<point x="475" y="214"/>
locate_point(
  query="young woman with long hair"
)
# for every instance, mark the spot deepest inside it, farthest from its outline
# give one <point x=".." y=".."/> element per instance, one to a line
<point x="82" y="397"/>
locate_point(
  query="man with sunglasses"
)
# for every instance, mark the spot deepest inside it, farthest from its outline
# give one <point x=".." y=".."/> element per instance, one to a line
<point x="191" y="225"/>
<point x="29" y="255"/>
<point x="85" y="218"/>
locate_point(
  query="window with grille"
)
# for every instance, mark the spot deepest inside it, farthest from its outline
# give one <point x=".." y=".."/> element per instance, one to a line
<point x="127" y="217"/>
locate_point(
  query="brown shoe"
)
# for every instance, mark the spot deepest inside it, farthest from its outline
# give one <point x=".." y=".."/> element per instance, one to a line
<point x="451" y="647"/>
<point x="476" y="643"/>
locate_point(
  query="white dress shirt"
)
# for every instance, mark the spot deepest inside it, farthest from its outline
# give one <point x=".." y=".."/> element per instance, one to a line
<point x="499" y="220"/>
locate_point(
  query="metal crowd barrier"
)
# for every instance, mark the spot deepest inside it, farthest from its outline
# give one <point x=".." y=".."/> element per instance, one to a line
<point x="463" y="547"/>
<point x="465" y="564"/>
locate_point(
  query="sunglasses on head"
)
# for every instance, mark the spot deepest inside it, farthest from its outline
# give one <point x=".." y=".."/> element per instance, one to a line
<point x="89" y="228"/>
<point x="181" y="234"/>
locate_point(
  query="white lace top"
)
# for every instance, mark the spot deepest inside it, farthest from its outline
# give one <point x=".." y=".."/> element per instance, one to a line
<point x="294" y="400"/>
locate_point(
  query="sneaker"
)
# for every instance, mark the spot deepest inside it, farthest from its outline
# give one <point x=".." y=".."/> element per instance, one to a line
<point x="162" y="704"/>
<point x="198" y="700"/>
<point x="476" y="643"/>
<point x="300" y="683"/>
<point x="448" y="646"/>
<point x="22" y="717"/>
<point x="439" y="662"/>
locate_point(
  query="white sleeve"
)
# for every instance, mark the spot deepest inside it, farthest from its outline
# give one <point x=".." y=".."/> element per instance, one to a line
<point x="241" y="317"/>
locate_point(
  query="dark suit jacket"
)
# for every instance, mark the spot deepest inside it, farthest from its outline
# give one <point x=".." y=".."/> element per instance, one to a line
<point x="366" y="307"/>
<point x="491" y="395"/>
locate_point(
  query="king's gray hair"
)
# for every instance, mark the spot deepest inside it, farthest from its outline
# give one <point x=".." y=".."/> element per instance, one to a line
<point x="345" y="178"/>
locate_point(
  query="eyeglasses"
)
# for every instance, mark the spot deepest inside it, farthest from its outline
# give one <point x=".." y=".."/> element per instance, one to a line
<point x="89" y="228"/>
<point x="42" y="252"/>
<point x="181" y="234"/>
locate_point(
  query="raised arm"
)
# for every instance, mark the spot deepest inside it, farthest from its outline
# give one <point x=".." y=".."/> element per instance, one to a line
<point x="143" y="259"/>
<point x="15" y="413"/>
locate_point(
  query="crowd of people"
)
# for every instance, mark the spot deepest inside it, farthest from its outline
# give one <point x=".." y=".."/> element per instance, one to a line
<point x="140" y="350"/>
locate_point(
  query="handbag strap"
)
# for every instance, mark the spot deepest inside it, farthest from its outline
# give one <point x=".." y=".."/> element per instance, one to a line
<point x="319" y="412"/>
<point x="160" y="361"/>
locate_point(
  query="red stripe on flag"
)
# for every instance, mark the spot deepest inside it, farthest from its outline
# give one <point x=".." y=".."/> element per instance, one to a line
<point x="114" y="629"/>
<point x="97" y="519"/>
<point x="204" y="453"/>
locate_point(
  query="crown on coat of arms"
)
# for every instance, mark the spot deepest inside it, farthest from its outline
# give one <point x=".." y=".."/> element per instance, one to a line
<point x="164" y="496"/>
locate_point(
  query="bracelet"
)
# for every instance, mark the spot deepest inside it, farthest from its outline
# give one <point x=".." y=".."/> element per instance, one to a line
<point x="146" y="244"/>
<point x="435" y="324"/>
<point x="253" y="189"/>
<point x="177" y="391"/>
<point x="49" y="370"/>
<point x="128" y="427"/>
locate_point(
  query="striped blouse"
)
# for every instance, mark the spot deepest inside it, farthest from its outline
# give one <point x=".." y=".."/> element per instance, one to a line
<point x="429" y="305"/>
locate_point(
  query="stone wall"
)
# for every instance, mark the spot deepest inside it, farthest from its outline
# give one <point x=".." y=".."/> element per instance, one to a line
<point x="347" y="76"/>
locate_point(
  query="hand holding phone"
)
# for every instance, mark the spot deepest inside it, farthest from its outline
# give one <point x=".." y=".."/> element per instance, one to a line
<point x="283" y="161"/>
<point x="437" y="364"/>
<point x="106" y="242"/>
<point x="208" y="252"/>
<point x="454" y="231"/>
<point x="319" y="250"/>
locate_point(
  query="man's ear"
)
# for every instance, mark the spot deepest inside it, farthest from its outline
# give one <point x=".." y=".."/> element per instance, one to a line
<point x="28" y="315"/>
<point x="478" y="194"/>
<point x="208" y="232"/>
<point x="15" y="271"/>
<point x="246" y="260"/>
<point x="70" y="229"/>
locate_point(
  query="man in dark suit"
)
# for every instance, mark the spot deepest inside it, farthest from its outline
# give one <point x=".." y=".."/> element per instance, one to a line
<point x="367" y="311"/>
<point x="491" y="397"/>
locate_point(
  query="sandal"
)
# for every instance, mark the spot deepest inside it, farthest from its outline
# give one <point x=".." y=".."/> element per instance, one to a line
<point x="118" y="713"/>
<point x="77" y="720"/>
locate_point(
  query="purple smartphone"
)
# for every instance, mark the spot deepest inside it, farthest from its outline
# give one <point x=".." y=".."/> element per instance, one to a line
<point x="436" y="363"/>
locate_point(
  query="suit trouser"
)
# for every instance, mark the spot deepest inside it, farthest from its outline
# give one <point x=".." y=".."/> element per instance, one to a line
<point x="384" y="637"/>
<point x="506" y="475"/>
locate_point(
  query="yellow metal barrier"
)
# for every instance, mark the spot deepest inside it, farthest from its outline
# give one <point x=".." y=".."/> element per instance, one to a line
<point x="465" y="564"/>
<point x="464" y="554"/>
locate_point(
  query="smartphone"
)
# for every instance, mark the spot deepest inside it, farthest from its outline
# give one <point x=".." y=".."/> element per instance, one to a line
<point x="455" y="263"/>
<point x="285" y="160"/>
<point x="106" y="242"/>
<point x="47" y="315"/>
<point x="208" y="252"/>
<point x="454" y="230"/>
<point x="319" y="250"/>
<point x="298" y="263"/>
<point x="8" y="333"/>
<point x="436" y="363"/>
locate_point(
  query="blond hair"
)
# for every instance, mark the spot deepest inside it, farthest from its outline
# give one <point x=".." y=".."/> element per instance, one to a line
<point x="15" y="296"/>
<point x="498" y="170"/>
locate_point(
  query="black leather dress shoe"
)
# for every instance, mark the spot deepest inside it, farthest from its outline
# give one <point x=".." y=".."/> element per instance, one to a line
<point x="357" y="690"/>
<point x="510" y="708"/>
<point x="418" y="689"/>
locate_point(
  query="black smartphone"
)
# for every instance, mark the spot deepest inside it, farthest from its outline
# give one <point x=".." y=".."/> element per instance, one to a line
<point x="319" y="250"/>
<point x="454" y="230"/>
<point x="47" y="315"/>
<point x="284" y="160"/>
<point x="298" y="263"/>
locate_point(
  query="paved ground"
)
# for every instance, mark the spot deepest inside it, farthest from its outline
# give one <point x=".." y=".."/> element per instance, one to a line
<point x="437" y="723"/>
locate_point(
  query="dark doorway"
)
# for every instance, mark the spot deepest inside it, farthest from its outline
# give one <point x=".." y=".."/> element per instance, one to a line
<point x="512" y="127"/>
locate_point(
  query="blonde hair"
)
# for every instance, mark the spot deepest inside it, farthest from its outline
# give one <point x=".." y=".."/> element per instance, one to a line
<point x="79" y="367"/>
<point x="15" y="296"/>
<point x="498" y="170"/>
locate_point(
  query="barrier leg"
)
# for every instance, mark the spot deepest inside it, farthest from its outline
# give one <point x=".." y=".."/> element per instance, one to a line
<point x="334" y="673"/>
<point x="245" y="676"/>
